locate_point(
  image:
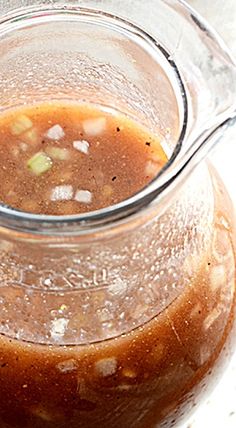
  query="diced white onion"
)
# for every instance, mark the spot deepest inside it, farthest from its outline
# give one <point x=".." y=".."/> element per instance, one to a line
<point x="211" y="318"/>
<point x="218" y="277"/>
<point x="94" y="127"/>
<point x="151" y="168"/>
<point x="82" y="146"/>
<point x="55" y="133"/>
<point x="107" y="366"/>
<point x="67" y="366"/>
<point x="23" y="146"/>
<point x="62" y="193"/>
<point x="58" y="328"/>
<point x="83" y="196"/>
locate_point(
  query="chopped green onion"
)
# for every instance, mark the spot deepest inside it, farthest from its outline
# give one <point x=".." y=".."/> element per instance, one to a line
<point x="58" y="153"/>
<point x="21" y="124"/>
<point x="39" y="163"/>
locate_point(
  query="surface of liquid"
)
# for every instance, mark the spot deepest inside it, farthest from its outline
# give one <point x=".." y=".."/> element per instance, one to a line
<point x="67" y="159"/>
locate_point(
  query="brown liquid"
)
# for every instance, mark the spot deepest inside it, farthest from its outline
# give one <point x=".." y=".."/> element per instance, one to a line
<point x="149" y="376"/>
<point x="107" y="157"/>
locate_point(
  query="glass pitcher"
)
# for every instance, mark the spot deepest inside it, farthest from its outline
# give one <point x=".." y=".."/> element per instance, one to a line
<point x="122" y="317"/>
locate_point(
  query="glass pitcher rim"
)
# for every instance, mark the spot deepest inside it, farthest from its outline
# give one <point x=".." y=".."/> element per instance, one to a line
<point x="88" y="222"/>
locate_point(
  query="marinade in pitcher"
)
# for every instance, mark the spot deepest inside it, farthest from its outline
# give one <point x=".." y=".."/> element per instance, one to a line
<point x="61" y="159"/>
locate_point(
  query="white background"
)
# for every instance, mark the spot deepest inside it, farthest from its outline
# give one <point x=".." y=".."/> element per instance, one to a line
<point x="219" y="411"/>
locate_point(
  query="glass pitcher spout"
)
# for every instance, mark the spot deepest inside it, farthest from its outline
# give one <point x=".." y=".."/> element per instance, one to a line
<point x="199" y="150"/>
<point x="206" y="73"/>
<point x="177" y="80"/>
